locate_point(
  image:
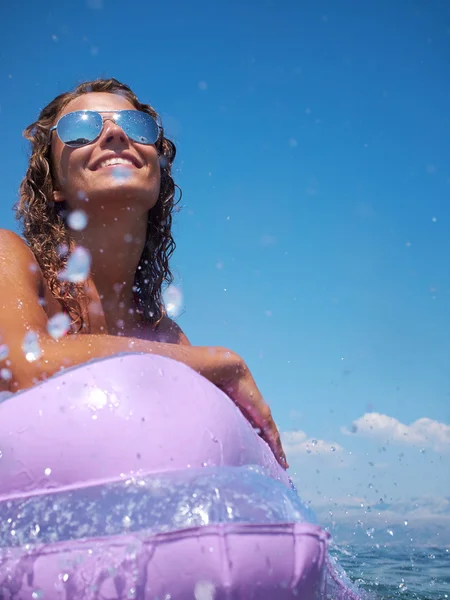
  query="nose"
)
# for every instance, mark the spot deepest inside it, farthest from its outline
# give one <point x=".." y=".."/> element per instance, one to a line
<point x="112" y="133"/>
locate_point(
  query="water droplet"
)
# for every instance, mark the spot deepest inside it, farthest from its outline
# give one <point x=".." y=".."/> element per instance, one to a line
<point x="5" y="374"/>
<point x="95" y="4"/>
<point x="406" y="522"/>
<point x="30" y="347"/>
<point x="204" y="590"/>
<point x="126" y="521"/>
<point x="37" y="594"/>
<point x="173" y="300"/>
<point x="314" y="442"/>
<point x="77" y="220"/>
<point x="333" y="449"/>
<point x="78" y="265"/>
<point x="121" y="173"/>
<point x="63" y="250"/>
<point x="390" y="532"/>
<point x="58" y="325"/>
<point x="4" y="351"/>
<point x="48" y="471"/>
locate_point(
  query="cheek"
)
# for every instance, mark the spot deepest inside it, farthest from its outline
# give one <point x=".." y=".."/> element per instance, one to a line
<point x="66" y="165"/>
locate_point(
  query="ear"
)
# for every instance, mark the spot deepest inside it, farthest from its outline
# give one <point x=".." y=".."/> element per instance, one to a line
<point x="58" y="196"/>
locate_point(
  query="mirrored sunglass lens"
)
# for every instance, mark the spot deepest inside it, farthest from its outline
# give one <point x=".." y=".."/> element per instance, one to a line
<point x="139" y="126"/>
<point x="79" y="128"/>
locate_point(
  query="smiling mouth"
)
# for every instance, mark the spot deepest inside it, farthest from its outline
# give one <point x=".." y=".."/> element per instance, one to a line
<point x="116" y="162"/>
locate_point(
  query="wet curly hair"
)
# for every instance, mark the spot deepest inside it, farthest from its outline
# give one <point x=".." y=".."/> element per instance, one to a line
<point x="46" y="232"/>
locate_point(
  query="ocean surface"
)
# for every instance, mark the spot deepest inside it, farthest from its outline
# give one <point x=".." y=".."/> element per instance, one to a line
<point x="398" y="571"/>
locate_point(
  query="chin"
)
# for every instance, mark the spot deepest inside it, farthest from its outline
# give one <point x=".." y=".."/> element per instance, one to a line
<point x="124" y="194"/>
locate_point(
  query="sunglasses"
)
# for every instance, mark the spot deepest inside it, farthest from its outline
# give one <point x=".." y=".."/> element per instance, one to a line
<point x="82" y="127"/>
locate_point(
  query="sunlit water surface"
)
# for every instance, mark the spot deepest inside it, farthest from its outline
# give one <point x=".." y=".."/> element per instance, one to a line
<point x="398" y="571"/>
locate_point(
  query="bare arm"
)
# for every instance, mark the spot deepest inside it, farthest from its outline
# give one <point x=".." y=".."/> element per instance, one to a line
<point x="21" y="312"/>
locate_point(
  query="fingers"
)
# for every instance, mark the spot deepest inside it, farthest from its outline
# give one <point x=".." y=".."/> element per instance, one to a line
<point x="250" y="402"/>
<point x="272" y="437"/>
<point x="277" y="448"/>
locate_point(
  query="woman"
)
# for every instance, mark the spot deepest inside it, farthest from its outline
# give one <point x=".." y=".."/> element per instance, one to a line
<point x="98" y="153"/>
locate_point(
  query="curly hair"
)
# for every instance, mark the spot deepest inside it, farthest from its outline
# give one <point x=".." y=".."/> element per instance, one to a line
<point x="43" y="221"/>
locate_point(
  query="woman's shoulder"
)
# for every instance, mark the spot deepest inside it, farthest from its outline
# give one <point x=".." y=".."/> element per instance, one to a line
<point x="170" y="332"/>
<point x="16" y="255"/>
<point x="11" y="242"/>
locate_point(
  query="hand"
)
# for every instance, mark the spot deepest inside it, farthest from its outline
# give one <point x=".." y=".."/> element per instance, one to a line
<point x="246" y="395"/>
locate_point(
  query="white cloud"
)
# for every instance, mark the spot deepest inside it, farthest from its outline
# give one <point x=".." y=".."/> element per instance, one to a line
<point x="297" y="443"/>
<point x="424" y="432"/>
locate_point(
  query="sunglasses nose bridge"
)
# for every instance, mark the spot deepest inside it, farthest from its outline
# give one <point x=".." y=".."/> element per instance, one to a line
<point x="111" y="129"/>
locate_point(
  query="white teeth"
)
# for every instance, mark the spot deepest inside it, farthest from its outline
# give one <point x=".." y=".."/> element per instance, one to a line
<point x="115" y="161"/>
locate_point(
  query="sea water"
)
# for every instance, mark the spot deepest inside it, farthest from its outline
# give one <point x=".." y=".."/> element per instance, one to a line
<point x="398" y="571"/>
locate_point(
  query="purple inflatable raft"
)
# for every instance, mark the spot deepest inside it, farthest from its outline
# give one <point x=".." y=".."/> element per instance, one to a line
<point x="135" y="478"/>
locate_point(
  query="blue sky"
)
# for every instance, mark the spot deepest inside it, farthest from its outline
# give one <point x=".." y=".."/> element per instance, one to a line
<point x="313" y="153"/>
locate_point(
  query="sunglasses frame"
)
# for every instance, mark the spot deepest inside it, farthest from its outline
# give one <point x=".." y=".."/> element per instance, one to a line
<point x="101" y="113"/>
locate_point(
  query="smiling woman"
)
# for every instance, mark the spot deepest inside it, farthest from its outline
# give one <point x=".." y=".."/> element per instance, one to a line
<point x="168" y="487"/>
<point x="128" y="233"/>
<point x="99" y="157"/>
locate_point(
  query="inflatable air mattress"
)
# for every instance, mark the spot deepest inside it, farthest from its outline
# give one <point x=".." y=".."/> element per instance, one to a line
<point x="133" y="477"/>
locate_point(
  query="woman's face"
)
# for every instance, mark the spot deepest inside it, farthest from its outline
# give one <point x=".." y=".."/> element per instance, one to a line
<point x="84" y="182"/>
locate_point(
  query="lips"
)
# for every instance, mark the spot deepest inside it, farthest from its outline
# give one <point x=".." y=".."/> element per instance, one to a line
<point x="124" y="159"/>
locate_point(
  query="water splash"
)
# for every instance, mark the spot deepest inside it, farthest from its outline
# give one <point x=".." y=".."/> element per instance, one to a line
<point x="173" y="301"/>
<point x="77" y="220"/>
<point x="58" y="325"/>
<point x="5" y="374"/>
<point x="154" y="504"/>
<point x="63" y="250"/>
<point x="78" y="265"/>
<point x="4" y="351"/>
<point x="121" y="173"/>
<point x="204" y="590"/>
<point x="30" y="346"/>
